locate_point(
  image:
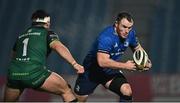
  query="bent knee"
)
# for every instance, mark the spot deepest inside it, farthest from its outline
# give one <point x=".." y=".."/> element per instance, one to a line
<point x="126" y="89"/>
<point x="66" y="90"/>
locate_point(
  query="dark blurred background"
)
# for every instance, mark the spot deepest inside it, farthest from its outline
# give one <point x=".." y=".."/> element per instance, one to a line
<point x="78" y="22"/>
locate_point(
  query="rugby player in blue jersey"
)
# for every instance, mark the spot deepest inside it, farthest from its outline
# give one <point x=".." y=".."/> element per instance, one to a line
<point x="103" y="63"/>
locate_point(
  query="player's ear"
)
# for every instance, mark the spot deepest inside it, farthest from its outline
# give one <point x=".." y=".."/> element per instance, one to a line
<point x="116" y="23"/>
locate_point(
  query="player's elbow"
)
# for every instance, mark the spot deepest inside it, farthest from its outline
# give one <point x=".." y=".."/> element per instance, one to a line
<point x="102" y="63"/>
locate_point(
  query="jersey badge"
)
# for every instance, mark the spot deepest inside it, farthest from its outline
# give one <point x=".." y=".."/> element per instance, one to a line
<point x="126" y="44"/>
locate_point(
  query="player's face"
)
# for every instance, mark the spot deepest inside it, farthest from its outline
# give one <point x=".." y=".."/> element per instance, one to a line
<point x="47" y="25"/>
<point x="47" y="20"/>
<point x="123" y="27"/>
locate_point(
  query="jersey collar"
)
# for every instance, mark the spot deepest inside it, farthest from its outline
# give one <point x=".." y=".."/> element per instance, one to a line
<point x="114" y="31"/>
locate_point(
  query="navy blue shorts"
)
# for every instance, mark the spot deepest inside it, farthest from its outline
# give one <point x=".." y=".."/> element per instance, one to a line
<point x="88" y="81"/>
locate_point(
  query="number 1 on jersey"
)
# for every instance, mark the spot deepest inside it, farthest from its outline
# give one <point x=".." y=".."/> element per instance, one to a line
<point x="25" y="42"/>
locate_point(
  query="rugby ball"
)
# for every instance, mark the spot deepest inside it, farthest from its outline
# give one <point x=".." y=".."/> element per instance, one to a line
<point x="140" y="58"/>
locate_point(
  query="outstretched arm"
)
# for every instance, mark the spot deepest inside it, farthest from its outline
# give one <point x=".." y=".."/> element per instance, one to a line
<point x="63" y="51"/>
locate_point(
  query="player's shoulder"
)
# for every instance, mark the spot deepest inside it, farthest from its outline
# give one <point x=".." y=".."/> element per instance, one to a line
<point x="132" y="31"/>
<point x="52" y="34"/>
<point x="108" y="29"/>
<point x="37" y="29"/>
<point x="105" y="38"/>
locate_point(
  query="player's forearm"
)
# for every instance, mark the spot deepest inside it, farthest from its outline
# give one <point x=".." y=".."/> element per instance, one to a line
<point x="111" y="64"/>
<point x="64" y="53"/>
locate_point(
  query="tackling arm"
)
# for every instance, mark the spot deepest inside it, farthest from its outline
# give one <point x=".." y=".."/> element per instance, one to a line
<point x="63" y="51"/>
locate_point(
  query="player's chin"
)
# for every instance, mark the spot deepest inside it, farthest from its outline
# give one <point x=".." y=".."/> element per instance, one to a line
<point x="124" y="36"/>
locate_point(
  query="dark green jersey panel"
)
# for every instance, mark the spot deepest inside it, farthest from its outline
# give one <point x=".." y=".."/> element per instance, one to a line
<point x="31" y="48"/>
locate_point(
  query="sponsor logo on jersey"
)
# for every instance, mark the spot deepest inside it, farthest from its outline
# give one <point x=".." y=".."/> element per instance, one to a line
<point x="22" y="59"/>
<point x="29" y="34"/>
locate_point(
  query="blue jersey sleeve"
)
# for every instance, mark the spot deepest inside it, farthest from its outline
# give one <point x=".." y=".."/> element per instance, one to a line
<point x="133" y="40"/>
<point x="104" y="44"/>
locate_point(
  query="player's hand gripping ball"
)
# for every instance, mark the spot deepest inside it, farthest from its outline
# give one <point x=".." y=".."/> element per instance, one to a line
<point x="140" y="58"/>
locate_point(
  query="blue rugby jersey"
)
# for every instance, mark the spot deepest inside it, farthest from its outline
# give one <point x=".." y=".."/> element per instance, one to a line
<point x="109" y="42"/>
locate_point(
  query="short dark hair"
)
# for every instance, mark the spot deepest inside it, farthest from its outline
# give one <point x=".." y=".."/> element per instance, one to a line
<point x="41" y="14"/>
<point x="122" y="15"/>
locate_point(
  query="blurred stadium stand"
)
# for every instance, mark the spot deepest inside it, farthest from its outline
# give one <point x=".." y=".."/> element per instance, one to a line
<point x="78" y="22"/>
